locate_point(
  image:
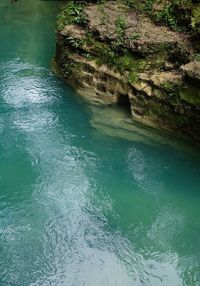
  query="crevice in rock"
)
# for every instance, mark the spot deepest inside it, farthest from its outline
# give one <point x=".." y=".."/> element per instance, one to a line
<point x="123" y="100"/>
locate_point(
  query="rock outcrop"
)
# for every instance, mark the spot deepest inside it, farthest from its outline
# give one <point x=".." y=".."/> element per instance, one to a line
<point x="192" y="70"/>
<point x="122" y="57"/>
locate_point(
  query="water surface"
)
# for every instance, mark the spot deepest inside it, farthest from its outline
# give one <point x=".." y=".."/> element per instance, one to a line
<point x="79" y="207"/>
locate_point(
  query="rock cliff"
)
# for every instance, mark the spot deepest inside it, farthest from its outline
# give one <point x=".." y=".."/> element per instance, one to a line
<point x="114" y="54"/>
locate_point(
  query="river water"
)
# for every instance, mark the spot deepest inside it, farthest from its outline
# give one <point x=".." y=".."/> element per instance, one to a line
<point x="79" y="207"/>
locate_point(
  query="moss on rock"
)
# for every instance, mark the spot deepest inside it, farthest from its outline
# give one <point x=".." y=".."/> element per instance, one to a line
<point x="116" y="55"/>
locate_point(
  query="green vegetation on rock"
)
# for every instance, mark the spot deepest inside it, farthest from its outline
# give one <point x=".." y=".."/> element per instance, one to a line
<point x="135" y="52"/>
<point x="72" y="13"/>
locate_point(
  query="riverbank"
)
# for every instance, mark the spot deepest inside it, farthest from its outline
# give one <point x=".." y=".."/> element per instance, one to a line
<point x="114" y="54"/>
<point x="83" y="202"/>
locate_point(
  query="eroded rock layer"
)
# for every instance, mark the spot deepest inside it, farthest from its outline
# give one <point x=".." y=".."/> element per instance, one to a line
<point x="112" y="55"/>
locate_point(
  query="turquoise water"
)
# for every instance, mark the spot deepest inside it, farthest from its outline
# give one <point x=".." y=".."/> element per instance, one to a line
<point x="79" y="207"/>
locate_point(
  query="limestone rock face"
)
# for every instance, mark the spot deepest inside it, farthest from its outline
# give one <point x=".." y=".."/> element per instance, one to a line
<point x="124" y="58"/>
<point x="192" y="70"/>
<point x="140" y="33"/>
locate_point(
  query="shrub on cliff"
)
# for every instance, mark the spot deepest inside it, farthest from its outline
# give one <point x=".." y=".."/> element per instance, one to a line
<point x="180" y="15"/>
<point x="72" y="13"/>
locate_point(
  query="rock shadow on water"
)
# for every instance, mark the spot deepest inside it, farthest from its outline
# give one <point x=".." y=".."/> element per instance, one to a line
<point x="116" y="121"/>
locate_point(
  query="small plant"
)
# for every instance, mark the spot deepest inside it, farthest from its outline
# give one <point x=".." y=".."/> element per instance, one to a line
<point x="167" y="16"/>
<point x="148" y="5"/>
<point x="72" y="13"/>
<point x="197" y="57"/>
<point x="133" y="77"/>
<point x="134" y="36"/>
<point x="88" y="56"/>
<point x="134" y="4"/>
<point x="171" y="88"/>
<point x="75" y="43"/>
<point x="75" y="10"/>
<point x="120" y="25"/>
<point x="195" y="20"/>
<point x="118" y="43"/>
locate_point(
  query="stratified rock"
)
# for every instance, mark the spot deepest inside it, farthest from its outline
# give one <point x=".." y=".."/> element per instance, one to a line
<point x="192" y="70"/>
<point x="144" y="74"/>
<point x="75" y="31"/>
